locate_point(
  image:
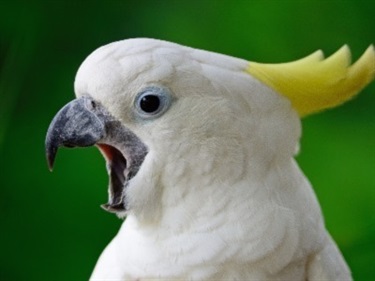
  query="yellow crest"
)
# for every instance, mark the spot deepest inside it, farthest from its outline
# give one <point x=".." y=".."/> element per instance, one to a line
<point x="314" y="83"/>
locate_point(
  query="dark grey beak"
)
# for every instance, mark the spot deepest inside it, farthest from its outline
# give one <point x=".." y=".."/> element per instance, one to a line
<point x="74" y="125"/>
<point x="85" y="122"/>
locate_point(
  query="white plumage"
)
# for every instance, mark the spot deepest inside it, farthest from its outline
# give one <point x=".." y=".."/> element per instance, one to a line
<point x="219" y="195"/>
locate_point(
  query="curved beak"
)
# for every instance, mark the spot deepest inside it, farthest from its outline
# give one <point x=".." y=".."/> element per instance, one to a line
<point x="84" y="122"/>
<point x="75" y="124"/>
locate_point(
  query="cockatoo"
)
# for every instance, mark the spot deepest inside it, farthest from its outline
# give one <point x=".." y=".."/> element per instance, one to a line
<point x="200" y="151"/>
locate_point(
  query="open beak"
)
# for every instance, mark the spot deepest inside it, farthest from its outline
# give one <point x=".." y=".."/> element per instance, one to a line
<point x="84" y="122"/>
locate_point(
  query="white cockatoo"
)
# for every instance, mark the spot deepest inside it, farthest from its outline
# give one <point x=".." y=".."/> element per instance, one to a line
<point x="200" y="153"/>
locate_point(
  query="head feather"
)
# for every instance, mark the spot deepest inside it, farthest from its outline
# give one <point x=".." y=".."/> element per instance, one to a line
<point x="313" y="83"/>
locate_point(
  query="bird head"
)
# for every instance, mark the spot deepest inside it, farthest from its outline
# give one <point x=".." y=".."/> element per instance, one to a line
<point x="171" y="120"/>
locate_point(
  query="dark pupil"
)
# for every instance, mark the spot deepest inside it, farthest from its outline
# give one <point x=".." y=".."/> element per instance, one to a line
<point x="150" y="103"/>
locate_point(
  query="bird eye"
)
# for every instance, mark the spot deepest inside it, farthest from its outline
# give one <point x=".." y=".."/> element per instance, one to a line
<point x="152" y="102"/>
<point x="149" y="103"/>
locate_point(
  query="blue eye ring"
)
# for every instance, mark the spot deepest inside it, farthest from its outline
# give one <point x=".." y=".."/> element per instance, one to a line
<point x="152" y="102"/>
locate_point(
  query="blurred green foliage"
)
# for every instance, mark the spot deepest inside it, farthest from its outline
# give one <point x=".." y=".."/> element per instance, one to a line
<point x="51" y="225"/>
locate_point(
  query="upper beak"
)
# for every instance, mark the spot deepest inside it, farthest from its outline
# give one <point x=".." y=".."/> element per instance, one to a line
<point x="75" y="124"/>
<point x="84" y="122"/>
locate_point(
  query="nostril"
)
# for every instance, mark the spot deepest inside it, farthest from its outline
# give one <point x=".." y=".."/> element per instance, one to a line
<point x="93" y="104"/>
<point x="90" y="103"/>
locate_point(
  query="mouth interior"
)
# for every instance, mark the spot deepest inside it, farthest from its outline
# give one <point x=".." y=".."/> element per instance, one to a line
<point x="117" y="170"/>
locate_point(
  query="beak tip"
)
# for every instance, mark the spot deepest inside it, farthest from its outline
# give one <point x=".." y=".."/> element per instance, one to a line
<point x="50" y="155"/>
<point x="50" y="167"/>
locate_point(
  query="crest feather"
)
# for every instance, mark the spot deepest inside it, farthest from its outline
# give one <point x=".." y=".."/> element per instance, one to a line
<point x="313" y="83"/>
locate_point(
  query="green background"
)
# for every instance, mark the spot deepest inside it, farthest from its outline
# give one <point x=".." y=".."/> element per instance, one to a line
<point x="51" y="225"/>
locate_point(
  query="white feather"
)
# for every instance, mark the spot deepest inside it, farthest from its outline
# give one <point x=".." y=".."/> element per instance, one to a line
<point x="219" y="196"/>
